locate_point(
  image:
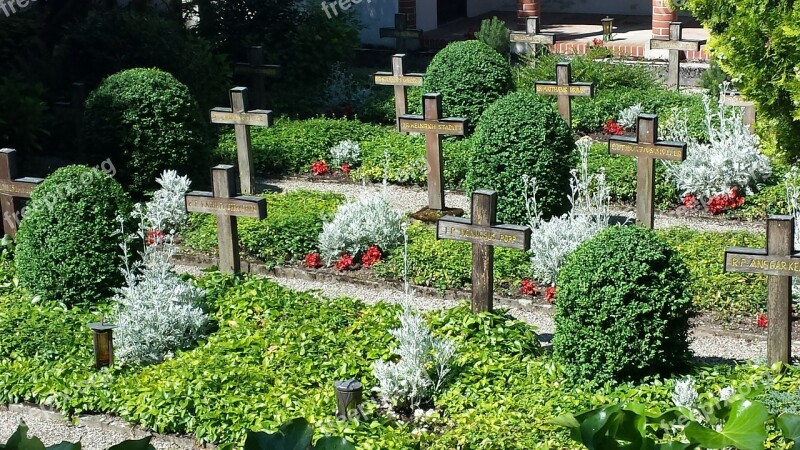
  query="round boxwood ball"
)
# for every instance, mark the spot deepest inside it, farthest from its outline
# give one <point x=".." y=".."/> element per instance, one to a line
<point x="470" y="75"/>
<point x="521" y="134"/>
<point x="623" y="307"/>
<point x="146" y="121"/>
<point x="66" y="250"/>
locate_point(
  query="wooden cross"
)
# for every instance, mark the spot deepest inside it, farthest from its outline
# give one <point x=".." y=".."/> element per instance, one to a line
<point x="780" y="263"/>
<point x="242" y="119"/>
<point x="565" y="89"/>
<point x="227" y="206"/>
<point x="533" y="35"/>
<point x="749" y="113"/>
<point x="400" y="80"/>
<point x="646" y="148"/>
<point x="484" y="233"/>
<point x="13" y="190"/>
<point x="402" y="33"/>
<point x="434" y="126"/>
<point x="258" y="72"/>
<point x="675" y="44"/>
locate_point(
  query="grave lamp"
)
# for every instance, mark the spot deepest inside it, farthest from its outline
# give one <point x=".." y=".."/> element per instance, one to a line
<point x="102" y="337"/>
<point x="349" y="393"/>
<point x="608" y="28"/>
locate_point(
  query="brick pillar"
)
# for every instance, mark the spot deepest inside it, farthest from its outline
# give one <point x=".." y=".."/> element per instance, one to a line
<point x="409" y="8"/>
<point x="662" y="16"/>
<point x="525" y="9"/>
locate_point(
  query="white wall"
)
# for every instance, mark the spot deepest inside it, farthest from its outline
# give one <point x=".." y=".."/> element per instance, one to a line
<point x="478" y="7"/>
<point x="627" y="7"/>
<point x="427" y="17"/>
<point x="374" y="15"/>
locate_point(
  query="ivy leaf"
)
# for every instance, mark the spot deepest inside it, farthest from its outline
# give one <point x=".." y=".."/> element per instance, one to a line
<point x="19" y="440"/>
<point x="295" y="434"/>
<point x="744" y="429"/>
<point x="790" y="427"/>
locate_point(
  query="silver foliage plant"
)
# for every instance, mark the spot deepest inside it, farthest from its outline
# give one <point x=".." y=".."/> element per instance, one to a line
<point x="731" y="158"/>
<point x="345" y="152"/>
<point x="629" y="116"/>
<point x="157" y="312"/>
<point x="342" y="89"/>
<point x="793" y="196"/>
<point x="555" y="239"/>
<point x="359" y="223"/>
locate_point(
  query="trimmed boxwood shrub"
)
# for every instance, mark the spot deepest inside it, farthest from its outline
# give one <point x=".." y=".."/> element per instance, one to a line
<point x="521" y="134"/>
<point x="470" y="75"/>
<point x="146" y="121"/>
<point x="66" y="247"/>
<point x="623" y="308"/>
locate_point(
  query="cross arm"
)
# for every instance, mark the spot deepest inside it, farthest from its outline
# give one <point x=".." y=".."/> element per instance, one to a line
<point x="451" y="126"/>
<point x="241" y="206"/>
<point x="748" y="260"/>
<point x="390" y="79"/>
<point x="267" y="70"/>
<point x="256" y="117"/>
<point x="21" y="187"/>
<point x="460" y="229"/>
<point x="572" y="89"/>
<point x="402" y="34"/>
<point x="684" y="45"/>
<point x="628" y="146"/>
<point x="521" y="37"/>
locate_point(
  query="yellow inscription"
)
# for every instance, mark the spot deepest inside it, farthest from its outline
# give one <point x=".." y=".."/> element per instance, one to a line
<point x="646" y="150"/>
<point x="761" y="263"/>
<point x="11" y="188"/>
<point x="552" y="89"/>
<point x="484" y="235"/>
<point x="224" y="206"/>
<point x="433" y="126"/>
<point x="399" y="80"/>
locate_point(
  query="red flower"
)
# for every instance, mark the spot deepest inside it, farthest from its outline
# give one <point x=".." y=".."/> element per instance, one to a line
<point x="372" y="256"/>
<point x="723" y="202"/>
<point x="550" y="294"/>
<point x="689" y="200"/>
<point x="612" y="127"/>
<point x="528" y="287"/>
<point x="762" y="321"/>
<point x="320" y="168"/>
<point x="313" y="260"/>
<point x="345" y="168"/>
<point x="344" y="263"/>
<point x="597" y="42"/>
<point x="155" y="237"/>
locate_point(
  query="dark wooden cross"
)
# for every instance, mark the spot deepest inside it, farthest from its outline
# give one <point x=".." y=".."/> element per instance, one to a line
<point x="565" y="89"/>
<point x="434" y="126"/>
<point x="485" y="234"/>
<point x="13" y="190"/>
<point x="646" y="148"/>
<point x="780" y="263"/>
<point x="675" y="44"/>
<point x="242" y="119"/>
<point x="402" y="33"/>
<point x="73" y="105"/>
<point x="532" y="36"/>
<point x="749" y="108"/>
<point x="400" y="80"/>
<point x="258" y="72"/>
<point x="227" y="206"/>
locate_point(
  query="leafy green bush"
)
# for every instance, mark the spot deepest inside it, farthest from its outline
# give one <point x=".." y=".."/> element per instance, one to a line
<point x="470" y="76"/>
<point x="604" y="74"/>
<point x="66" y="248"/>
<point x="146" y="122"/>
<point x="623" y="308"/>
<point x="289" y="232"/>
<point x="521" y="134"/>
<point x="495" y="34"/>
<point x="712" y="78"/>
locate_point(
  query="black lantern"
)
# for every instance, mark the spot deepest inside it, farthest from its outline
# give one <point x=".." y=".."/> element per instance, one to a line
<point x="102" y="336"/>
<point x="608" y="28"/>
<point x="348" y="393"/>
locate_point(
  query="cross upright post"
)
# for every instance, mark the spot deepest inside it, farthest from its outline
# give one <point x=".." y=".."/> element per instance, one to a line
<point x="258" y="72"/>
<point x="780" y="263"/>
<point x="646" y="148"/>
<point x="227" y="206"/>
<point x="402" y="33"/>
<point x="532" y="36"/>
<point x="435" y="127"/>
<point x="242" y="119"/>
<point x="13" y="190"/>
<point x="675" y="44"/>
<point x="565" y="89"/>
<point x="485" y="234"/>
<point x="401" y="81"/>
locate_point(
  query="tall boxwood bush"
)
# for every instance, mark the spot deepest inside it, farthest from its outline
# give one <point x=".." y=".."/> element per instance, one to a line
<point x="146" y="122"/>
<point x="623" y="307"/>
<point x="521" y="134"/>
<point x="470" y="75"/>
<point x="66" y="247"/>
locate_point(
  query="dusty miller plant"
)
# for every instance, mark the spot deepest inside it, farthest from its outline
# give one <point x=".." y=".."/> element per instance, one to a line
<point x="345" y="152"/>
<point x="553" y="240"/>
<point x="793" y="197"/>
<point x="342" y="89"/>
<point x="358" y="224"/>
<point x="731" y="158"/>
<point x="156" y="311"/>
<point x="630" y="115"/>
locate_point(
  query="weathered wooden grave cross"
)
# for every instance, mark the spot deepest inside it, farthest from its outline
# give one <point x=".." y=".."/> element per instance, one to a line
<point x="532" y="36"/>
<point x="258" y="72"/>
<point x="484" y="233"/>
<point x="646" y="148"/>
<point x="675" y="44"/>
<point x="227" y="206"/>
<point x="400" y="80"/>
<point x="435" y="127"/>
<point x="780" y="263"/>
<point x="13" y="190"/>
<point x="402" y="33"/>
<point x="242" y="119"/>
<point x="748" y="107"/>
<point x="565" y="89"/>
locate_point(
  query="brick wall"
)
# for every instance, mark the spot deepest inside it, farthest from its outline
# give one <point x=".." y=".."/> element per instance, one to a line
<point x="409" y="8"/>
<point x="525" y="9"/>
<point x="662" y="16"/>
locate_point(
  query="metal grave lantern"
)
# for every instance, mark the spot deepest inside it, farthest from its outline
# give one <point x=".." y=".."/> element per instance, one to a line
<point x="349" y="395"/>
<point x="102" y="337"/>
<point x="608" y="28"/>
